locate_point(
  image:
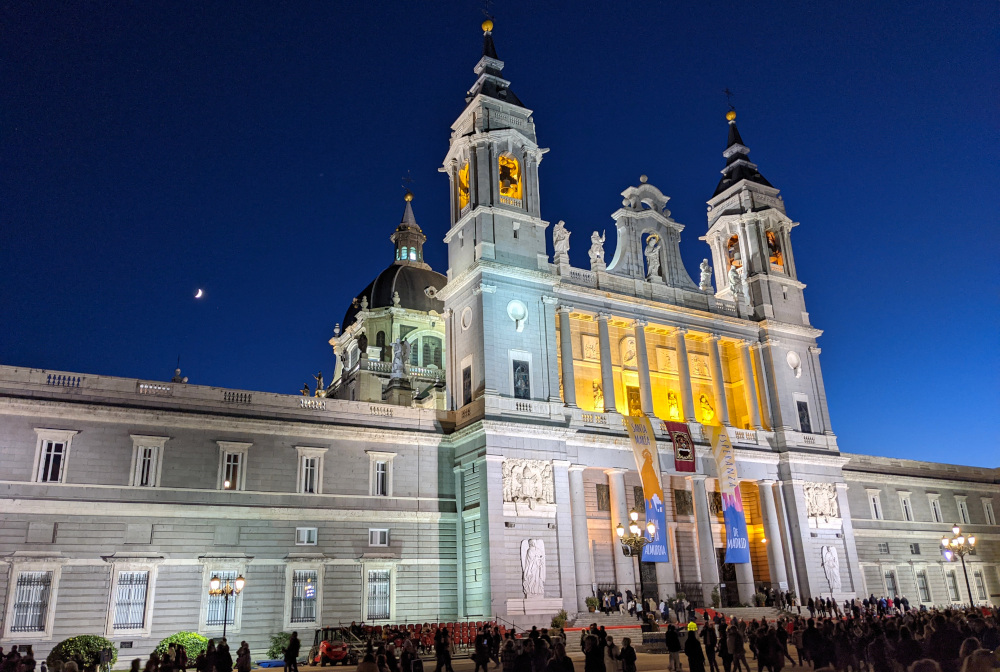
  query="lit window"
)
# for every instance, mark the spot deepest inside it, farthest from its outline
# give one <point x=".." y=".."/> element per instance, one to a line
<point x="51" y="454"/>
<point x="310" y="478"/>
<point x="232" y="465"/>
<point x="305" y="536"/>
<point x="413" y="254"/>
<point x="988" y="512"/>
<point x="963" y="511"/>
<point x="304" y="594"/>
<point x="463" y="186"/>
<point x="380" y="473"/>
<point x="510" y="176"/>
<point x="130" y="593"/>
<point x="378" y="537"/>
<point x="30" y="609"/>
<point x="875" y="504"/>
<point x="147" y="460"/>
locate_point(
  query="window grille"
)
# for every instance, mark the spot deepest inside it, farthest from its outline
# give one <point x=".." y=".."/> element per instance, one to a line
<point x="304" y="596"/>
<point x="378" y="595"/>
<point x="980" y="584"/>
<point x="130" y="600"/>
<point x="217" y="612"/>
<point x="31" y="601"/>
<point x="53" y="456"/>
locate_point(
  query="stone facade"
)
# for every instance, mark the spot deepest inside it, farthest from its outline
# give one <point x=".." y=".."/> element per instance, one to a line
<point x="371" y="502"/>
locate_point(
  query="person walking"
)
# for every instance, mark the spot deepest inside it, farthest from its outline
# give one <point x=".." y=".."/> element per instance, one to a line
<point x="224" y="659"/>
<point x="693" y="650"/>
<point x="291" y="653"/>
<point x="442" y="652"/>
<point x="243" y="663"/>
<point x="673" y="642"/>
<point x="736" y="642"/>
<point x="627" y="655"/>
<point x="724" y="653"/>
<point x="711" y="640"/>
<point x="611" y="655"/>
<point x="560" y="662"/>
<point x="593" y="655"/>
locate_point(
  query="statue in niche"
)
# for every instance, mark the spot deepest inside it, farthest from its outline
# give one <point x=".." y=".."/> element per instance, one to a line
<point x="707" y="412"/>
<point x="715" y="503"/>
<point x="598" y="397"/>
<point x="528" y="481"/>
<point x="629" y="352"/>
<point x="597" y="249"/>
<point x="400" y="356"/>
<point x="821" y="500"/>
<point x="735" y="283"/>
<point x="673" y="407"/>
<point x="652" y="253"/>
<point x="363" y="345"/>
<point x="560" y="239"/>
<point x="831" y="567"/>
<point x="705" y="284"/>
<point x="533" y="567"/>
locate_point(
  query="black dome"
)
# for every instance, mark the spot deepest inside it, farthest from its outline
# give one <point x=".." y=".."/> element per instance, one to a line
<point x="409" y="281"/>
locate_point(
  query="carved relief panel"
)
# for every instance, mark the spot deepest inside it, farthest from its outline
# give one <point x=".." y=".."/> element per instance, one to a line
<point x="822" y="507"/>
<point x="591" y="348"/>
<point x="528" y="488"/>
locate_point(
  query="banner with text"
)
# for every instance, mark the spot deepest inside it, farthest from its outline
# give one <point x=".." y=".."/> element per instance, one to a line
<point x="647" y="459"/>
<point x="737" y="541"/>
<point x="680" y="435"/>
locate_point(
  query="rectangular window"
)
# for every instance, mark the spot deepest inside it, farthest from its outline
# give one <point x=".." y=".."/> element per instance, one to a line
<point x="977" y="577"/>
<point x="145" y="466"/>
<point x="883" y="547"/>
<point x="936" y="511"/>
<point x="805" y="425"/>
<point x="914" y="549"/>
<point x="378" y="594"/>
<point x="988" y="512"/>
<point x="305" y="536"/>
<point x="875" y="504"/>
<point x="891" y="588"/>
<point x="603" y="497"/>
<point x="219" y="611"/>
<point x="923" y="587"/>
<point x="381" y="478"/>
<point x="130" y="600"/>
<point x="31" y="602"/>
<point x="466" y="385"/>
<point x="963" y="512"/>
<point x="952" y="581"/>
<point x="310" y="474"/>
<point x="52" y="462"/>
<point x="378" y="537"/>
<point x="907" y="508"/>
<point x="522" y="379"/>
<point x="304" y="596"/>
<point x="231" y="471"/>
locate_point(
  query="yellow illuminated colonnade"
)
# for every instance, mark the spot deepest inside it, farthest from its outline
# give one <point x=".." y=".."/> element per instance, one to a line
<point x="673" y="382"/>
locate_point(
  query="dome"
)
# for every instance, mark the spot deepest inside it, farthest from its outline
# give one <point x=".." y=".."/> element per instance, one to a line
<point x="409" y="281"/>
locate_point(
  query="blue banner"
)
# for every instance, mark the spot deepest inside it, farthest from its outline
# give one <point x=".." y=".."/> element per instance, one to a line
<point x="737" y="541"/>
<point x="647" y="459"/>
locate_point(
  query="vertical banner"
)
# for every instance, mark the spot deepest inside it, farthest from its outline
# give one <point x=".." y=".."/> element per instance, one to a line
<point x="737" y="542"/>
<point x="680" y="435"/>
<point x="640" y="433"/>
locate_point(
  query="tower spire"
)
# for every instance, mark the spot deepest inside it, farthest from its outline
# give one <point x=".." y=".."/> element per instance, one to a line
<point x="489" y="67"/>
<point x="408" y="237"/>
<point x="738" y="164"/>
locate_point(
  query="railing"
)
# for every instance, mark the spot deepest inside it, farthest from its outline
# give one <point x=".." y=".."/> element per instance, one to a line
<point x="315" y="404"/>
<point x="154" y="389"/>
<point x="60" y="380"/>
<point x="241" y="398"/>
<point x="511" y="201"/>
<point x="745" y="436"/>
<point x="383" y="411"/>
<point x="726" y="307"/>
<point x="426" y="372"/>
<point x="595" y="418"/>
<point x="586" y="277"/>
<point x="376" y="366"/>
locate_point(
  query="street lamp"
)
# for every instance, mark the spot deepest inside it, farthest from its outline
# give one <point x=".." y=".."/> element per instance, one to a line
<point x="961" y="546"/>
<point x="215" y="588"/>
<point x="633" y="542"/>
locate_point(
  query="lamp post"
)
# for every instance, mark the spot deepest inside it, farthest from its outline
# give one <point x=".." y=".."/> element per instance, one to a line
<point x="633" y="542"/>
<point x="215" y="588"/>
<point x="959" y="545"/>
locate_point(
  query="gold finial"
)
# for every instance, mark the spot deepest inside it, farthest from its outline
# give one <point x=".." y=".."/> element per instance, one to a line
<point x="408" y="197"/>
<point x="487" y="25"/>
<point x="731" y="115"/>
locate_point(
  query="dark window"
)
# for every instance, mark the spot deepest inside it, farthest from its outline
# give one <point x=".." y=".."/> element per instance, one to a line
<point x="804" y="425"/>
<point x="914" y="549"/>
<point x="603" y="497"/>
<point x="380" y="338"/>
<point x="522" y="381"/>
<point x="467" y="385"/>
<point x="640" y="500"/>
<point x="432" y="351"/>
<point x="683" y="504"/>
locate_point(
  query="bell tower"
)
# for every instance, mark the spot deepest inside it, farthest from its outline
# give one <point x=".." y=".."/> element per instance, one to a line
<point x="492" y="165"/>
<point x="750" y="237"/>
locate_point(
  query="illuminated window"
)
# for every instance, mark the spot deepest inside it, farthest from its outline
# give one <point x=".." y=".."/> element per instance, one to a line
<point x="463" y="186"/>
<point x="413" y="254"/>
<point x="510" y="176"/>
<point x="774" y="250"/>
<point x="232" y="465"/>
<point x="733" y="252"/>
<point x="304" y="587"/>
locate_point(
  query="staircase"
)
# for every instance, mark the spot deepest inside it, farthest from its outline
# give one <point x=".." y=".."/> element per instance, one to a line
<point x="616" y="625"/>
<point x="749" y="613"/>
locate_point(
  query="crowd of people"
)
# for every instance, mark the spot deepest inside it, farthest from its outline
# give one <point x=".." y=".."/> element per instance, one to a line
<point x="613" y="601"/>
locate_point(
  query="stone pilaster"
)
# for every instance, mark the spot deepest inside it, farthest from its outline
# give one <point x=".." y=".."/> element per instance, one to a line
<point x="750" y="384"/>
<point x="624" y="567"/>
<point x="566" y="352"/>
<point x="775" y="548"/>
<point x="642" y="360"/>
<point x="564" y="535"/>
<point x="706" y="546"/>
<point x="684" y="374"/>
<point x="607" y="373"/>
<point x="581" y="537"/>
<point x="718" y="383"/>
<point x="460" y="540"/>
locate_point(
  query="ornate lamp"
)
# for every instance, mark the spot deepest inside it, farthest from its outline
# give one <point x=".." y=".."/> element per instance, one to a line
<point x="216" y="588"/>
<point x="633" y="542"/>
<point x="959" y="545"/>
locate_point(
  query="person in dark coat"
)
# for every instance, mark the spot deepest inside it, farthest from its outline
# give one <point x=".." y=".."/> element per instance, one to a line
<point x="560" y="662"/>
<point x="673" y="642"/>
<point x="292" y="653"/>
<point x="693" y="650"/>
<point x="593" y="655"/>
<point x="223" y="659"/>
<point x="627" y="655"/>
<point x="711" y="640"/>
<point x="724" y="653"/>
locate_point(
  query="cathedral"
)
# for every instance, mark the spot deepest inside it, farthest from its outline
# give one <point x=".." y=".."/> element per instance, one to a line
<point x="469" y="458"/>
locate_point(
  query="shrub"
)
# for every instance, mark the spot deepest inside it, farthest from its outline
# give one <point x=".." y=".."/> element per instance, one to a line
<point x="759" y="599"/>
<point x="84" y="648"/>
<point x="192" y="642"/>
<point x="279" y="643"/>
<point x="593" y="603"/>
<point x="681" y="596"/>
<point x="559" y="620"/>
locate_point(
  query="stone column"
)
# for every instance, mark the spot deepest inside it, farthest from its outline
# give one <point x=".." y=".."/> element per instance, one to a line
<point x="624" y="567"/>
<point x="565" y="538"/>
<point x="852" y="550"/>
<point x="566" y="352"/>
<point x="459" y="540"/>
<point x="750" y="384"/>
<point x="765" y="390"/>
<point x="642" y="361"/>
<point x="581" y="537"/>
<point x="744" y="582"/>
<point x="706" y="546"/>
<point x="607" y="373"/>
<point x="684" y="375"/>
<point x="786" y="539"/>
<point x="775" y="549"/>
<point x="718" y="383"/>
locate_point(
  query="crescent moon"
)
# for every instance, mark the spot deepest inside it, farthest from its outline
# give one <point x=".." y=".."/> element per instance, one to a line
<point x="199" y="294"/>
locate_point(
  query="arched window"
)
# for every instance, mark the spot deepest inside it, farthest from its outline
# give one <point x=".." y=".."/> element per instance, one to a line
<point x="774" y="250"/>
<point x="380" y="339"/>
<point x="463" y="186"/>
<point x="510" y="176"/>
<point x="432" y="351"/>
<point x="413" y="254"/>
<point x="733" y="252"/>
<point x="415" y="352"/>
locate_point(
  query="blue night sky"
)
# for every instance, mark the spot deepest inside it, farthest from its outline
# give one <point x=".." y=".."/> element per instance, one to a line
<point x="256" y="150"/>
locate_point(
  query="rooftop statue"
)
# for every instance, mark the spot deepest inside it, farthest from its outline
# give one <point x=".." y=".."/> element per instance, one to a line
<point x="705" y="284"/>
<point x="597" y="250"/>
<point x="560" y="239"/>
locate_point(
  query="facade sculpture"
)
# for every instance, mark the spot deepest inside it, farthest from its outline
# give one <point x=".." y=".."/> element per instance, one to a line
<point x="400" y="356"/>
<point x="821" y="500"/>
<point x="735" y="283"/>
<point x="598" y="396"/>
<point x="705" y="283"/>
<point x="528" y="481"/>
<point x="533" y="568"/>
<point x="652" y="253"/>
<point x="560" y="241"/>
<point x="597" y="251"/>
<point x="831" y="567"/>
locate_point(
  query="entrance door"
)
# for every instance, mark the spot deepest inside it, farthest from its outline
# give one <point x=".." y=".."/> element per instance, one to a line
<point x="729" y="593"/>
<point x="647" y="578"/>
